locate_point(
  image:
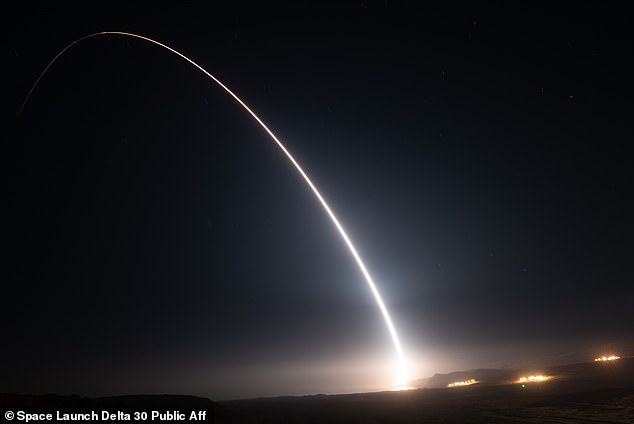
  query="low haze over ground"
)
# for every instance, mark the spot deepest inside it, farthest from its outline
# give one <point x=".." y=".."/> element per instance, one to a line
<point x="157" y="241"/>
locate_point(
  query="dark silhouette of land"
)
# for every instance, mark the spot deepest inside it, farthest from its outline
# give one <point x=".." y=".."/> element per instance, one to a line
<point x="116" y="408"/>
<point x="577" y="393"/>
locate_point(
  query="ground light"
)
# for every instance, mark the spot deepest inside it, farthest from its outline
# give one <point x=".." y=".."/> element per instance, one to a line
<point x="533" y="379"/>
<point x="607" y="358"/>
<point x="468" y="382"/>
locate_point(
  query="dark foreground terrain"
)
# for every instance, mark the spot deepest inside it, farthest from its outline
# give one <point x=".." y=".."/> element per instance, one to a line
<point x="579" y="393"/>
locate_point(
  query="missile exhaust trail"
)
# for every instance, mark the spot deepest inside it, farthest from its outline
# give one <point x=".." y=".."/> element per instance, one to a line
<point x="402" y="377"/>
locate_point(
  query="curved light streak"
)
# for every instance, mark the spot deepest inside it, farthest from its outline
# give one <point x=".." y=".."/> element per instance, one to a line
<point x="403" y="372"/>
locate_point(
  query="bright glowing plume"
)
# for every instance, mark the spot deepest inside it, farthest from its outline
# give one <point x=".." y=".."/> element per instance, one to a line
<point x="402" y="373"/>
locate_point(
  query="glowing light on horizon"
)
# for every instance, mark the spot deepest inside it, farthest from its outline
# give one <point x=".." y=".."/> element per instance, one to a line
<point x="468" y="382"/>
<point x="533" y="379"/>
<point x="607" y="358"/>
<point x="403" y="388"/>
<point x="403" y="371"/>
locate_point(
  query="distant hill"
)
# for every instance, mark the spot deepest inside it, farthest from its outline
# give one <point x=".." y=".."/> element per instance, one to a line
<point x="484" y="376"/>
<point x="618" y="372"/>
<point x="578" y="393"/>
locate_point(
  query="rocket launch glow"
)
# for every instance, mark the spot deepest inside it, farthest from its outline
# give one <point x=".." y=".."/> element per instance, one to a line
<point x="402" y="376"/>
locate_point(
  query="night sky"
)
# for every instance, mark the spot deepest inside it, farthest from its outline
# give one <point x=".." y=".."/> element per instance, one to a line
<point x="157" y="241"/>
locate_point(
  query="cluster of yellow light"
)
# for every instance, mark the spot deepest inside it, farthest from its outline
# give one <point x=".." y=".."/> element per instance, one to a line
<point x="607" y="358"/>
<point x="533" y="378"/>
<point x="463" y="383"/>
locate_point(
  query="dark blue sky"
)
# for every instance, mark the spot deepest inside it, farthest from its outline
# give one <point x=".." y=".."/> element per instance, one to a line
<point x="479" y="156"/>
